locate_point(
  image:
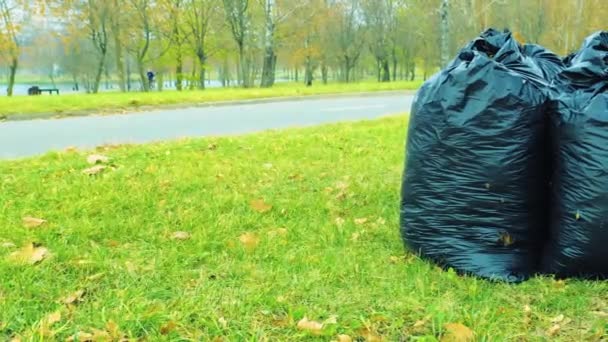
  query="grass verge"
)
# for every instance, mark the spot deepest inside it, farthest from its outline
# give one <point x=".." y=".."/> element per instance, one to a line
<point x="71" y="104"/>
<point x="273" y="228"/>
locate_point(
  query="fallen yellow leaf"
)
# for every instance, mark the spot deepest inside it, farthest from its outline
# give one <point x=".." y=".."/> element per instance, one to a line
<point x="260" y="206"/>
<point x="558" y="319"/>
<point x="344" y="338"/>
<point x="180" y="235"/>
<point x="361" y="221"/>
<point x="32" y="222"/>
<point x="312" y="327"/>
<point x="339" y="222"/>
<point x="277" y="232"/>
<point x="456" y="332"/>
<point x="168" y="327"/>
<point x="554" y="330"/>
<point x="370" y="336"/>
<point x="8" y="244"/>
<point x="53" y="318"/>
<point x="249" y="240"/>
<point x="223" y="322"/>
<point x="94" y="170"/>
<point x="74" y="297"/>
<point x="29" y="254"/>
<point x="97" y="158"/>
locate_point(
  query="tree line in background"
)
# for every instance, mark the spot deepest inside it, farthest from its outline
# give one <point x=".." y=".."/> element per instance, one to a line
<point x="251" y="43"/>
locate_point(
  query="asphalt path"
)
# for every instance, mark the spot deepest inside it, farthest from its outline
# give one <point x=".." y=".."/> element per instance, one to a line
<point x="30" y="138"/>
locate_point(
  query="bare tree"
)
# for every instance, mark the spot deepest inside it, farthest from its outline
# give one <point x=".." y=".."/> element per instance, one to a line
<point x="237" y="15"/>
<point x="199" y="15"/>
<point x="9" y="39"/>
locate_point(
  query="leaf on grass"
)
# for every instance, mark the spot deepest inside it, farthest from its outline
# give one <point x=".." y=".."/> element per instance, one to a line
<point x="278" y="232"/>
<point x="95" y="159"/>
<point x="30" y="254"/>
<point x="8" y="244"/>
<point x="456" y="332"/>
<point x="223" y="322"/>
<point x="180" y="235"/>
<point x="94" y="170"/>
<point x="32" y="222"/>
<point x="81" y="336"/>
<point x="554" y="330"/>
<point x="168" y="327"/>
<point x="420" y="324"/>
<point x="312" y="327"/>
<point x="557" y="319"/>
<point x="370" y="336"/>
<point x="333" y="319"/>
<point x="260" y="206"/>
<point x="53" y="318"/>
<point x="355" y="236"/>
<point x="339" y="222"/>
<point x="249" y="240"/>
<point x="344" y="338"/>
<point x="361" y="221"/>
<point x="268" y="166"/>
<point x="74" y="297"/>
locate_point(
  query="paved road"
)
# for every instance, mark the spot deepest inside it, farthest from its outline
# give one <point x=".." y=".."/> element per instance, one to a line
<point x="27" y="138"/>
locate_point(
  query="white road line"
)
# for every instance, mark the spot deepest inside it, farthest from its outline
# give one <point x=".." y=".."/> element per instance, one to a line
<point x="344" y="109"/>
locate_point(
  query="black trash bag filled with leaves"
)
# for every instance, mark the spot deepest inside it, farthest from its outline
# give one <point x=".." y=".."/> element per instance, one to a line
<point x="474" y="187"/>
<point x="579" y="130"/>
<point x="549" y="63"/>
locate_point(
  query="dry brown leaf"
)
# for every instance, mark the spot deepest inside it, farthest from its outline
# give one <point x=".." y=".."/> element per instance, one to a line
<point x="53" y="318"/>
<point x="32" y="222"/>
<point x="456" y="332"/>
<point x="29" y="254"/>
<point x="74" y="297"/>
<point x="260" y="206"/>
<point x="94" y="170"/>
<point x="312" y="327"/>
<point x="506" y="239"/>
<point x="554" y="330"/>
<point x="180" y="235"/>
<point x="249" y="240"/>
<point x="94" y="159"/>
<point x="15" y="339"/>
<point x="168" y="327"/>
<point x="361" y="221"/>
<point x="112" y="328"/>
<point x="370" y="336"/>
<point x="557" y="319"/>
<point x="344" y="338"/>
<point x="223" y="322"/>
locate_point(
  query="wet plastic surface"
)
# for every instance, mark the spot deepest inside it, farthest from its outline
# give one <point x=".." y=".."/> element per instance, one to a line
<point x="474" y="194"/>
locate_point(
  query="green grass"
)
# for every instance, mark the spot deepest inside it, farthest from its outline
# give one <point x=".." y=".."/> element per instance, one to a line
<point x="109" y="235"/>
<point x="120" y="102"/>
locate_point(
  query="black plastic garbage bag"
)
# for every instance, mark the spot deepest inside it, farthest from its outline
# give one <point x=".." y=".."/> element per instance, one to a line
<point x="549" y="63"/>
<point x="579" y="126"/>
<point x="474" y="188"/>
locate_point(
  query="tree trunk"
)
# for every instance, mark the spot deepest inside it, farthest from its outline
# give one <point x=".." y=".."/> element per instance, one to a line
<point x="324" y="73"/>
<point x="395" y="64"/>
<point x="99" y="73"/>
<point x="11" y="76"/>
<point x="386" y="73"/>
<point x="309" y="72"/>
<point x="145" y="84"/>
<point x="268" y="70"/>
<point x="270" y="59"/>
<point x="179" y="71"/>
<point x="119" y="63"/>
<point x="444" y="33"/>
<point x="297" y="78"/>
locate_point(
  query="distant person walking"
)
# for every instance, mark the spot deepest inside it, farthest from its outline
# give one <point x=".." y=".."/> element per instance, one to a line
<point x="150" y="75"/>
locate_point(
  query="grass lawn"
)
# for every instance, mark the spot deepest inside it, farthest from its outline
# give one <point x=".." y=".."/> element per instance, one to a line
<point x="120" y="102"/>
<point x="241" y="239"/>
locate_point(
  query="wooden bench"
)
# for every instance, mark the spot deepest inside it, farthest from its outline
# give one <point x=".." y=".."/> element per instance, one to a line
<point x="35" y="90"/>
